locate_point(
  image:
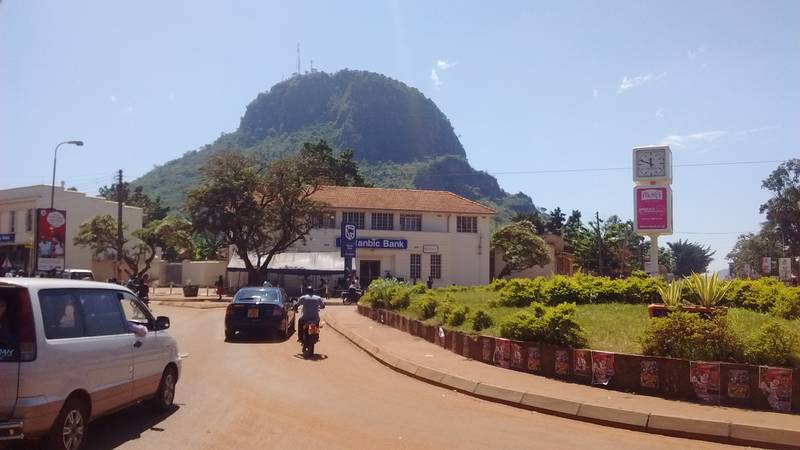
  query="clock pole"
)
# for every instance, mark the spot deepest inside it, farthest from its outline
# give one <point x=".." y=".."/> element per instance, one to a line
<point x="653" y="254"/>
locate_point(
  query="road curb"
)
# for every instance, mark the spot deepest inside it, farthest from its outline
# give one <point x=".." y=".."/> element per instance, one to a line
<point x="696" y="428"/>
<point x="191" y="305"/>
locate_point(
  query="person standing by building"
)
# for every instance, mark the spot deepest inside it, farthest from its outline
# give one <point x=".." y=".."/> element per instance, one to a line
<point x="220" y="285"/>
<point x="429" y="283"/>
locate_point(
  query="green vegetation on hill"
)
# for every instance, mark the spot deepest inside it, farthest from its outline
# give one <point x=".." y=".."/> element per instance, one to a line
<point x="398" y="136"/>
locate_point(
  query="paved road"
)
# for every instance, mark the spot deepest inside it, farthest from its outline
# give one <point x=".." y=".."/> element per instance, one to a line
<point x="262" y="394"/>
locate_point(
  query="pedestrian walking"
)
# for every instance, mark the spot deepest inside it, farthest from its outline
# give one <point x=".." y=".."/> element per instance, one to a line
<point x="220" y="285"/>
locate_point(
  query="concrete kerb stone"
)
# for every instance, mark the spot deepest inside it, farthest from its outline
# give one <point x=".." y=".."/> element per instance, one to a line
<point x="550" y="404"/>
<point x="460" y="384"/>
<point x="759" y="434"/>
<point x="499" y="393"/>
<point x="429" y="374"/>
<point x="618" y="416"/>
<point x="697" y="426"/>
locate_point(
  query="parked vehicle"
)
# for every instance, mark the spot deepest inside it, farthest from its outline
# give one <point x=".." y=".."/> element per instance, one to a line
<point x="72" y="351"/>
<point x="259" y="310"/>
<point x="77" y="274"/>
<point x="351" y="295"/>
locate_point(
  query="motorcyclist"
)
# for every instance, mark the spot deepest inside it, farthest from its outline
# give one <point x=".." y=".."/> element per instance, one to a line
<point x="311" y="305"/>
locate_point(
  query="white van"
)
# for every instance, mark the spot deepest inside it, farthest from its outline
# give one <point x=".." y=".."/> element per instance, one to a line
<point x="71" y="351"/>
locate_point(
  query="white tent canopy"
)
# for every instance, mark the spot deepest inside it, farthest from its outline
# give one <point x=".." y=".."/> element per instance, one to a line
<point x="303" y="263"/>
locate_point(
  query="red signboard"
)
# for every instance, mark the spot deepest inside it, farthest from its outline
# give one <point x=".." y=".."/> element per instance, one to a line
<point x="51" y="231"/>
<point x="653" y="209"/>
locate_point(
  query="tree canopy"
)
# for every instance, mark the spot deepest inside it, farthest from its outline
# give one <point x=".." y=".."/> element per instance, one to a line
<point x="609" y="247"/>
<point x="521" y="247"/>
<point x="689" y="257"/>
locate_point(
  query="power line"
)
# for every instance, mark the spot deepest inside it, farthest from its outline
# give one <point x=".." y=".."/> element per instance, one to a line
<point x="607" y="169"/>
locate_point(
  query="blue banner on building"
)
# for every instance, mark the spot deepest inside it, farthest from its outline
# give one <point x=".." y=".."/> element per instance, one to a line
<point x="7" y="237"/>
<point x="396" y="244"/>
<point x="348" y="240"/>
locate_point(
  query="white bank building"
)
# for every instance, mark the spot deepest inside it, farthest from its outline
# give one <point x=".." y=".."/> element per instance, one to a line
<point x="402" y="233"/>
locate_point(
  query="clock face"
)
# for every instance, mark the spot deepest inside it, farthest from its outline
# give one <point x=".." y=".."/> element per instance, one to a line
<point x="651" y="163"/>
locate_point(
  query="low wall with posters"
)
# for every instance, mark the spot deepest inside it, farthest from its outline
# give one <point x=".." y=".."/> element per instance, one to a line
<point x="727" y="384"/>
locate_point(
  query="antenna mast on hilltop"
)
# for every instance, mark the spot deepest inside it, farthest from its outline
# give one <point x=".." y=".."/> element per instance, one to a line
<point x="298" y="58"/>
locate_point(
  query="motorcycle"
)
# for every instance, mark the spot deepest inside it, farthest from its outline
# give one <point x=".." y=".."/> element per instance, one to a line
<point x="351" y="296"/>
<point x="310" y="338"/>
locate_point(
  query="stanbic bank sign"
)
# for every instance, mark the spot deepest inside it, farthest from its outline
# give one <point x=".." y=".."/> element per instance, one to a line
<point x="397" y="244"/>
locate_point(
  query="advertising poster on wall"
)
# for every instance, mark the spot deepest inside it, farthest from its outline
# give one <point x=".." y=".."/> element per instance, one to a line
<point x="583" y="362"/>
<point x="653" y="209"/>
<point x="561" y="366"/>
<point x="776" y="384"/>
<point x="602" y="367"/>
<point x="502" y="353"/>
<point x="648" y="374"/>
<point x="51" y="231"/>
<point x="534" y="359"/>
<point x="486" y="349"/>
<point x="766" y="265"/>
<point x="705" y="379"/>
<point x="785" y="269"/>
<point x="465" y="348"/>
<point x="738" y="384"/>
<point x="517" y="356"/>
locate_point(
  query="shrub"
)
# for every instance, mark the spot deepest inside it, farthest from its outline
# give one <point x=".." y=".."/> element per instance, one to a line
<point x="686" y="335"/>
<point x="457" y="315"/>
<point x="521" y="292"/>
<point x="787" y="305"/>
<point x="425" y="306"/>
<point x="773" y="344"/>
<point x="671" y="295"/>
<point x="388" y="293"/>
<point x="555" y="325"/>
<point x="480" y="320"/>
<point x="708" y="291"/>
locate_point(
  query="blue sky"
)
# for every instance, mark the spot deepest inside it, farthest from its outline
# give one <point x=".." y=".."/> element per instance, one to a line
<point x="527" y="86"/>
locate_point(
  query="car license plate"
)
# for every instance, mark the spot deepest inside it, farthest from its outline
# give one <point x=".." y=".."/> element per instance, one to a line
<point x="252" y="313"/>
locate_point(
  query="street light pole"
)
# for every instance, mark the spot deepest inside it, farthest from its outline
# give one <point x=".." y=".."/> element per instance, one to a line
<point x="55" y="155"/>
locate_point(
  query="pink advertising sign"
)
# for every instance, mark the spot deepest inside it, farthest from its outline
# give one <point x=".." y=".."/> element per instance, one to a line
<point x="653" y="209"/>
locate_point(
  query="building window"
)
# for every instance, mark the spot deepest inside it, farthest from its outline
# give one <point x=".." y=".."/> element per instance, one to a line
<point x="416" y="267"/>
<point x="353" y="217"/>
<point x="466" y="224"/>
<point x="382" y="221"/>
<point x="410" y="222"/>
<point x="29" y="220"/>
<point x="12" y="222"/>
<point x="326" y="219"/>
<point x="436" y="267"/>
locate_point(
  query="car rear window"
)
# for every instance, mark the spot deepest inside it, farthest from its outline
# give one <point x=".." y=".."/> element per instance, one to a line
<point x="9" y="328"/>
<point x="71" y="313"/>
<point x="268" y="295"/>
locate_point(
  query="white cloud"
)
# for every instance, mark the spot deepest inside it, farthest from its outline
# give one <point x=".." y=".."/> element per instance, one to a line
<point x="755" y="130"/>
<point x="435" y="77"/>
<point x="694" y="53"/>
<point x="172" y="96"/>
<point x="595" y="94"/>
<point x="129" y="109"/>
<point x="637" y="81"/>
<point x="660" y="113"/>
<point x="444" y="65"/>
<point x="689" y="140"/>
<point x="112" y="98"/>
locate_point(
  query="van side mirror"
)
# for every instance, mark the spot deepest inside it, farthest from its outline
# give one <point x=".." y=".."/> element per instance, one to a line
<point x="162" y="323"/>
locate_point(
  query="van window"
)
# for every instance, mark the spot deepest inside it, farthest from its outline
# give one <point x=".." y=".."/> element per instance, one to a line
<point x="9" y="338"/>
<point x="70" y="313"/>
<point x="133" y="312"/>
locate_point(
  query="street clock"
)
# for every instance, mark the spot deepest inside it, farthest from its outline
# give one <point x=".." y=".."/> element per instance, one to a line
<point x="653" y="163"/>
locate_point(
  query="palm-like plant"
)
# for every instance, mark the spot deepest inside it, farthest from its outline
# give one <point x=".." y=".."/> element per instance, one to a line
<point x="709" y="290"/>
<point x="671" y="295"/>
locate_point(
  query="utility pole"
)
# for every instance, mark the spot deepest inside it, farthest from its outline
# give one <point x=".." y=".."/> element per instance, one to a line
<point x="599" y="243"/>
<point x="119" y="223"/>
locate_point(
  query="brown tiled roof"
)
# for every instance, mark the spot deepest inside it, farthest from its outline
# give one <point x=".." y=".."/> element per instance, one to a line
<point x="398" y="200"/>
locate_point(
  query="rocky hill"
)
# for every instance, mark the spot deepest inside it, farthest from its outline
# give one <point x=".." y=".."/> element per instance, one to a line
<point x="399" y="136"/>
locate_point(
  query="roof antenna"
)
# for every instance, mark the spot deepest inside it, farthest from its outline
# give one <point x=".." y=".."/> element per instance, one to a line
<point x="298" y="58"/>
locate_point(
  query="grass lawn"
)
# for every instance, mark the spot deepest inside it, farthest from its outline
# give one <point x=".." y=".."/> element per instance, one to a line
<point x="608" y="326"/>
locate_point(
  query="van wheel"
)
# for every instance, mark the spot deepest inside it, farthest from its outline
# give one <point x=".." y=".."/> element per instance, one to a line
<point x="229" y="334"/>
<point x="69" y="430"/>
<point x="165" y="395"/>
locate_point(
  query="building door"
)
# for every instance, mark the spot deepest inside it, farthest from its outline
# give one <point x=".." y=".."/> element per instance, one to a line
<point x="368" y="271"/>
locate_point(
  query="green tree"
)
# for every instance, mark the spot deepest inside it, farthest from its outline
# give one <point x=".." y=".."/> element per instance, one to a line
<point x="751" y="247"/>
<point x="537" y="218"/>
<point x="572" y="227"/>
<point x="324" y="164"/>
<point x="555" y="221"/>
<point x="521" y="247"/>
<point x="263" y="208"/>
<point x="689" y="257"/>
<point x="100" y="235"/>
<point x="153" y="209"/>
<point x="207" y="246"/>
<point x="783" y="208"/>
<point x="609" y="247"/>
